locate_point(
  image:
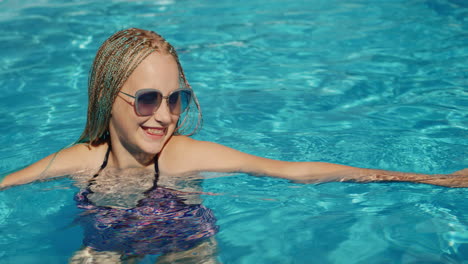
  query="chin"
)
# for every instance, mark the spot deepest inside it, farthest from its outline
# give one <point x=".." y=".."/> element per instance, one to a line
<point x="152" y="144"/>
<point x="152" y="149"/>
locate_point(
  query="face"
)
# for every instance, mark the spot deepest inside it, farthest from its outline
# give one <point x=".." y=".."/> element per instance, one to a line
<point x="145" y="134"/>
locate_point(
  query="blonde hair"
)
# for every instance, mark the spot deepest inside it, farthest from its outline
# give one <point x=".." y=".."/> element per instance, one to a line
<point x="115" y="61"/>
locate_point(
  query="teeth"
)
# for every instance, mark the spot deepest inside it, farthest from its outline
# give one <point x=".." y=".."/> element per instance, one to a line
<point x="155" y="131"/>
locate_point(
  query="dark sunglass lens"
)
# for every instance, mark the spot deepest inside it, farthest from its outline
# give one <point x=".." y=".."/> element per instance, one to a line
<point x="179" y="101"/>
<point x="148" y="102"/>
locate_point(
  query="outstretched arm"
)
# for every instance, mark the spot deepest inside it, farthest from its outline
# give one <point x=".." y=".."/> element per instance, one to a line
<point x="64" y="162"/>
<point x="208" y="156"/>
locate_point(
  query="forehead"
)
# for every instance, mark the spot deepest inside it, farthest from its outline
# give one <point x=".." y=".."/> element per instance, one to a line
<point x="158" y="71"/>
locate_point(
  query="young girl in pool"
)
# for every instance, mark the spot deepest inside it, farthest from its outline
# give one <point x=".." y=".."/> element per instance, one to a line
<point x="132" y="153"/>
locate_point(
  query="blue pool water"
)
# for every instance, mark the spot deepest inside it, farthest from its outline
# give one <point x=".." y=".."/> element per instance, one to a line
<point x="378" y="84"/>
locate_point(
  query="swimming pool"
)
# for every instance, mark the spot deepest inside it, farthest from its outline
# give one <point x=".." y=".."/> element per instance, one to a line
<point x="379" y="84"/>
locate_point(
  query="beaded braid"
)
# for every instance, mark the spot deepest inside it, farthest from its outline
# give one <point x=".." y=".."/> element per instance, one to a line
<point x="115" y="61"/>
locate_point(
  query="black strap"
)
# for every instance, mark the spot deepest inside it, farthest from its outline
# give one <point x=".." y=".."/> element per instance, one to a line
<point x="156" y="174"/>
<point x="104" y="164"/>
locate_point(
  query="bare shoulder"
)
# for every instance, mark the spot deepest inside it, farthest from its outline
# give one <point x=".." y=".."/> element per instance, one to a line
<point x="188" y="144"/>
<point x="83" y="156"/>
<point x="186" y="155"/>
<point x="176" y="140"/>
<point x="184" y="147"/>
<point x="177" y="150"/>
<point x="178" y="143"/>
<point x="67" y="161"/>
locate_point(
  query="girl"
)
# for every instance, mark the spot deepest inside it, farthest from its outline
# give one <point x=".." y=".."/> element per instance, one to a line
<point x="140" y="105"/>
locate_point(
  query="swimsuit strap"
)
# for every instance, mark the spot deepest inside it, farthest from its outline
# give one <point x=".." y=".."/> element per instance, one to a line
<point x="104" y="164"/>
<point x="156" y="170"/>
<point x="156" y="174"/>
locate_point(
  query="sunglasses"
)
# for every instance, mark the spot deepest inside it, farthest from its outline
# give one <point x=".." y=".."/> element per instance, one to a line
<point x="147" y="101"/>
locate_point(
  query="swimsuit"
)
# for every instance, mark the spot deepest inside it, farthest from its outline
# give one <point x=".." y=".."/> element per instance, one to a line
<point x="160" y="223"/>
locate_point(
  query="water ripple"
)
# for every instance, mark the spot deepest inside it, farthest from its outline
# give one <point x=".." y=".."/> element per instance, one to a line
<point x="379" y="84"/>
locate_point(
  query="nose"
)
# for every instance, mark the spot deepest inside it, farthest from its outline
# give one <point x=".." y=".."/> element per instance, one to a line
<point x="163" y="115"/>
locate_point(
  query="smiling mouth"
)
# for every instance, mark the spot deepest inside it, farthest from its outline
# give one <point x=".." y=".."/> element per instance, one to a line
<point x="155" y="131"/>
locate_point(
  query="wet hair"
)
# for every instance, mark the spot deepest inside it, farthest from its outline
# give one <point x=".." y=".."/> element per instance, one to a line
<point x="115" y="61"/>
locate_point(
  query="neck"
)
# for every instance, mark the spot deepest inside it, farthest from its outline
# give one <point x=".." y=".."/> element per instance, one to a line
<point x="124" y="157"/>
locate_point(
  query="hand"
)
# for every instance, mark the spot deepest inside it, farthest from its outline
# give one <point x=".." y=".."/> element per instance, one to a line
<point x="458" y="179"/>
<point x="463" y="172"/>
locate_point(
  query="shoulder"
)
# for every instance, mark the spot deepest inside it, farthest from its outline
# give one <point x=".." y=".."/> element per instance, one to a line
<point x="178" y="154"/>
<point x="177" y="143"/>
<point x="85" y="155"/>
<point x="186" y="155"/>
<point x="70" y="160"/>
<point x="79" y="152"/>
<point x="178" y="146"/>
<point x="185" y="147"/>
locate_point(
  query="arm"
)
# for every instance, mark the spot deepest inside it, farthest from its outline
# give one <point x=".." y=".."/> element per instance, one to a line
<point x="61" y="163"/>
<point x="208" y="156"/>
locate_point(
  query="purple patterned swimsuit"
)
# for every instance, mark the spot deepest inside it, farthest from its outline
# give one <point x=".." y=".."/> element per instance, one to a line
<point x="160" y="223"/>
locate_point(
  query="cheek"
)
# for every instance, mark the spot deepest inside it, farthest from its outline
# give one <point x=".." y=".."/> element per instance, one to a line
<point x="122" y="116"/>
<point x="117" y="108"/>
<point x="174" y="123"/>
